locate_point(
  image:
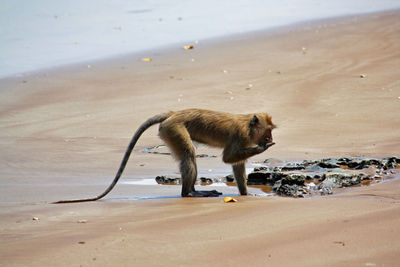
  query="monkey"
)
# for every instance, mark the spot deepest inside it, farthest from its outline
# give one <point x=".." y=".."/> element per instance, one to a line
<point x="241" y="136"/>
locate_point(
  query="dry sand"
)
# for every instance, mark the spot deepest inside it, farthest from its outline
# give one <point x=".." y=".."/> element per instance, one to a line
<point x="63" y="133"/>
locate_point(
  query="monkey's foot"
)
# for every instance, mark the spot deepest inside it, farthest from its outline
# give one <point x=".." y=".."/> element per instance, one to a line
<point x="212" y="193"/>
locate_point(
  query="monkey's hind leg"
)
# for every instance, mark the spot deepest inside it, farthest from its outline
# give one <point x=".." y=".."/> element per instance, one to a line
<point x="188" y="169"/>
<point x="178" y="140"/>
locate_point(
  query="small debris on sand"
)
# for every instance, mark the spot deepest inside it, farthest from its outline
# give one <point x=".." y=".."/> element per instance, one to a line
<point x="340" y="243"/>
<point x="229" y="199"/>
<point x="188" y="47"/>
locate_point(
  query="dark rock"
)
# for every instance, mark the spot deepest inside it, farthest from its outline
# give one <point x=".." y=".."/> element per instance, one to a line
<point x="279" y="175"/>
<point x="359" y="163"/>
<point x="230" y="178"/>
<point x="366" y="163"/>
<point x="270" y="178"/>
<point x="261" y="168"/>
<point x="290" y="190"/>
<point x="352" y="164"/>
<point x="276" y="169"/>
<point x="167" y="180"/>
<point x="267" y="161"/>
<point x="325" y="190"/>
<point x="261" y="178"/>
<point x="365" y="177"/>
<point x="372" y="162"/>
<point x="322" y="163"/>
<point x="293" y="167"/>
<point x="327" y="165"/>
<point x="294" y="178"/>
<point x="353" y="180"/>
<point x="337" y="180"/>
<point x="306" y="163"/>
<point x="390" y="163"/>
<point x="206" y="180"/>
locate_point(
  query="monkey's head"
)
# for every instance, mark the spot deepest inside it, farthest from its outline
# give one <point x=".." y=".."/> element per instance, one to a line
<point x="261" y="127"/>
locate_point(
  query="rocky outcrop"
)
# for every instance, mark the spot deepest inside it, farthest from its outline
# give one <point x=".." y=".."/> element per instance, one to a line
<point x="294" y="178"/>
<point x="338" y="180"/>
<point x="299" y="179"/>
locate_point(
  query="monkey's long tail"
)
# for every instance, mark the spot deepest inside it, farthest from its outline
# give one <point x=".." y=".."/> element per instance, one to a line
<point x="153" y="120"/>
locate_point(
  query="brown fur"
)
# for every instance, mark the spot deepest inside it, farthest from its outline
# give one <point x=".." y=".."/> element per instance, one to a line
<point x="234" y="133"/>
<point x="241" y="136"/>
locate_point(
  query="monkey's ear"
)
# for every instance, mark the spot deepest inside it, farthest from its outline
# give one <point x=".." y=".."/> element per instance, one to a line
<point x="254" y="121"/>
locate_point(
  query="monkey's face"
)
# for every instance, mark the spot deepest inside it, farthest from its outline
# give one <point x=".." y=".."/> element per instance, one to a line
<point x="268" y="135"/>
<point x="261" y="127"/>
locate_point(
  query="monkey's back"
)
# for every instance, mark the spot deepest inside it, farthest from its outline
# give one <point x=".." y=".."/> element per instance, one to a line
<point x="210" y="127"/>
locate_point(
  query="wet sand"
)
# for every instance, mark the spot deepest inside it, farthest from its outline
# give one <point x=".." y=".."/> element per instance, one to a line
<point x="63" y="133"/>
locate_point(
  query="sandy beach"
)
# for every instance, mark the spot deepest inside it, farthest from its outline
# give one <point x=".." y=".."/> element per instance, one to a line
<point x="332" y="87"/>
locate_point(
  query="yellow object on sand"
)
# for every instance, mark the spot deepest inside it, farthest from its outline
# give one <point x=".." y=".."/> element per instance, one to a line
<point x="229" y="199"/>
<point x="187" y="47"/>
<point x="147" y="59"/>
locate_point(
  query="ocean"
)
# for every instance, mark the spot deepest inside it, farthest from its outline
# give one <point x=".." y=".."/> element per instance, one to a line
<point x="37" y="34"/>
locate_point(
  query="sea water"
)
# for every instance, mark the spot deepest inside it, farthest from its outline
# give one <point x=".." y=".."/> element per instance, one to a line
<point x="36" y="34"/>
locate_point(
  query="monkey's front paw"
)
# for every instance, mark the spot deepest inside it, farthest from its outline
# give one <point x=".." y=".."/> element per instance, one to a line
<point x="268" y="145"/>
<point x="265" y="146"/>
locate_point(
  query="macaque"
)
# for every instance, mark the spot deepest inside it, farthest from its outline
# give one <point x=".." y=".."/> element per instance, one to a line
<point x="240" y="137"/>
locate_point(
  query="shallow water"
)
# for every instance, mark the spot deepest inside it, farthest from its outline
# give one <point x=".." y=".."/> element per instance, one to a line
<point x="371" y="174"/>
<point x="42" y="34"/>
<point x="255" y="190"/>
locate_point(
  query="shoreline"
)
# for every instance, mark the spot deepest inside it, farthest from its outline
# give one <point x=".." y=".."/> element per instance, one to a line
<point x="62" y="135"/>
<point x="176" y="48"/>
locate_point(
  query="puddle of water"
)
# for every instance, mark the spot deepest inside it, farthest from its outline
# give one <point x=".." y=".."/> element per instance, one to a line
<point x="372" y="175"/>
<point x="141" y="182"/>
<point x="163" y="197"/>
<point x="262" y="190"/>
<point x="143" y="198"/>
